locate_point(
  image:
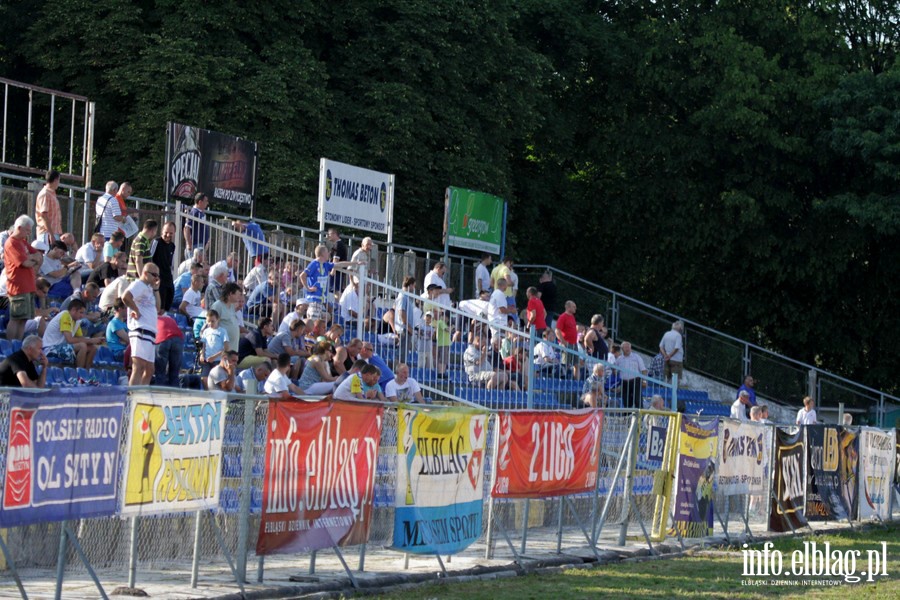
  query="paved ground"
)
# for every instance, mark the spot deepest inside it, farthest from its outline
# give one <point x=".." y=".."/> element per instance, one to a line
<point x="382" y="568"/>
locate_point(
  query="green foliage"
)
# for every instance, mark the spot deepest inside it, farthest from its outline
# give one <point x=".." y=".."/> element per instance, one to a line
<point x="732" y="161"/>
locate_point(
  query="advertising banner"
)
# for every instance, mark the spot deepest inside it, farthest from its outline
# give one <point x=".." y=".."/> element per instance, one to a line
<point x="321" y="459"/>
<point x="221" y="166"/>
<point x="62" y="460"/>
<point x="440" y="479"/>
<point x="355" y="197"/>
<point x="823" y="483"/>
<point x="475" y="220"/>
<point x="790" y="481"/>
<point x="744" y="459"/>
<point x="897" y="472"/>
<point x="849" y="469"/>
<point x="545" y="453"/>
<point x="173" y="453"/>
<point x="696" y="477"/>
<point x="876" y="470"/>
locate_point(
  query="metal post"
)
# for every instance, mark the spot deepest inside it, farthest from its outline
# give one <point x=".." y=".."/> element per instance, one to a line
<point x="246" y="486"/>
<point x="629" y="481"/>
<point x="811" y="386"/>
<point x="532" y="337"/>
<point x="60" y="560"/>
<point x="195" y="563"/>
<point x="179" y="233"/>
<point x="489" y="536"/>
<point x="28" y="148"/>
<point x="674" y="392"/>
<point x="597" y="526"/>
<point x="362" y="316"/>
<point x="132" y="553"/>
<point x="614" y="317"/>
<point x="559" y="526"/>
<point x="525" y="514"/>
<point x="840" y="418"/>
<point x="52" y="127"/>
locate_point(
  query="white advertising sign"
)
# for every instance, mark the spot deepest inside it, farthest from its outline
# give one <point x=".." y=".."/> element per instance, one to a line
<point x="355" y="198"/>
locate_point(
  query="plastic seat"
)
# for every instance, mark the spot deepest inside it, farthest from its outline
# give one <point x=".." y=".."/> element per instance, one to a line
<point x="104" y="356"/>
<point x="5" y="347"/>
<point x="70" y="376"/>
<point x="82" y="374"/>
<point x="55" y="376"/>
<point x="181" y="320"/>
<point x="16" y="345"/>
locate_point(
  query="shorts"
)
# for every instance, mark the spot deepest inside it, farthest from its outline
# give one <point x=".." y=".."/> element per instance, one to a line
<point x="21" y="307"/>
<point x="314" y="311"/>
<point x="481" y="376"/>
<point x="568" y="356"/>
<point x="142" y="348"/>
<point x="63" y="352"/>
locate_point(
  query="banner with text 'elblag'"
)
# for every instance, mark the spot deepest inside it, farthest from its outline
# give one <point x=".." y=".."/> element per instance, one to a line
<point x="440" y="479"/>
<point x="321" y="459"/>
<point x="545" y="453"/>
<point x="744" y="457"/>
<point x="62" y="458"/>
<point x="475" y="220"/>
<point x="354" y="197"/>
<point x="173" y="453"/>
<point x="876" y="469"/>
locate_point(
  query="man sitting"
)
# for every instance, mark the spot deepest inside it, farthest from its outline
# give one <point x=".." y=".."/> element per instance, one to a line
<point x="478" y="367"/>
<point x="278" y="384"/>
<point x="361" y="386"/>
<point x="223" y="376"/>
<point x="244" y="382"/>
<point x="403" y="388"/>
<point x="63" y="338"/>
<point x="18" y="369"/>
<point x="64" y="279"/>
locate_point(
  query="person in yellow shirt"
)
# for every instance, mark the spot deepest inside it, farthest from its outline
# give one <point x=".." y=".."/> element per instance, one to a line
<point x="64" y="340"/>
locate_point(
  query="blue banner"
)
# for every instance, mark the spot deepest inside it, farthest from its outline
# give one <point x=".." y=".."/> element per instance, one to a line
<point x="62" y="459"/>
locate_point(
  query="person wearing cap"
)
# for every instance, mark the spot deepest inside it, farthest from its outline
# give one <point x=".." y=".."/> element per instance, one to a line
<point x="436" y="277"/>
<point x="64" y="279"/>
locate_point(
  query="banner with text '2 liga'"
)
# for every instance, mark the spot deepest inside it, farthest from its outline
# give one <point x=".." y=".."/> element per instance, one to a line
<point x="62" y="457"/>
<point x="440" y="479"/>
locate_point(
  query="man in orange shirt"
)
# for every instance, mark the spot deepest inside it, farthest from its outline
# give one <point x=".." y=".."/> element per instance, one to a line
<point x="22" y="262"/>
<point x="46" y="209"/>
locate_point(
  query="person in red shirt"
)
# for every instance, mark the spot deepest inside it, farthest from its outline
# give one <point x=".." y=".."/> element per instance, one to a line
<point x="169" y="351"/>
<point x="567" y="333"/>
<point x="535" y="311"/>
<point x="22" y="262"/>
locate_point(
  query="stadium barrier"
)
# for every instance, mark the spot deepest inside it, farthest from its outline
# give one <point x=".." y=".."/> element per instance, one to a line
<point x="116" y="481"/>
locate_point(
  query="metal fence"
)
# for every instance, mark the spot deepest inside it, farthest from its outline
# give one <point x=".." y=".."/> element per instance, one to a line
<point x="710" y="353"/>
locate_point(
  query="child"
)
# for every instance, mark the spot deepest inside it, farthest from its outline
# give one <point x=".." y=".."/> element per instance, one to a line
<point x="442" y="344"/>
<point x="425" y="344"/>
<point x="215" y="343"/>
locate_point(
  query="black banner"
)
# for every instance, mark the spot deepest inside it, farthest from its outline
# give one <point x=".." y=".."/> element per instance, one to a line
<point x="219" y="165"/>
<point x="824" y="501"/>
<point x="790" y="481"/>
<point x="849" y="469"/>
<point x="897" y="470"/>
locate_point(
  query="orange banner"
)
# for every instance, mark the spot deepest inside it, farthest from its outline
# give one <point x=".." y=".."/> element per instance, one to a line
<point x="544" y="453"/>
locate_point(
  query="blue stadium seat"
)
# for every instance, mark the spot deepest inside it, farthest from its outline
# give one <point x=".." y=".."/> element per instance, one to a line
<point x="16" y="345"/>
<point x="182" y="321"/>
<point x="70" y="375"/>
<point x="82" y="373"/>
<point x="104" y="357"/>
<point x="5" y="348"/>
<point x="55" y="376"/>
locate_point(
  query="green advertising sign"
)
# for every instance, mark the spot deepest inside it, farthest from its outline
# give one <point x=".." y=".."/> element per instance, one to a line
<point x="475" y="220"/>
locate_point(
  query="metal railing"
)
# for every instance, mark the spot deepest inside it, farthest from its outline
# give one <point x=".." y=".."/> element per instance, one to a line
<point x="711" y="353"/>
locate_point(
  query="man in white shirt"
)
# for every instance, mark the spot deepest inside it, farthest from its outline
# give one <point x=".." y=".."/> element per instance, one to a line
<point x="403" y="388"/>
<point x="190" y="303"/>
<point x="671" y="346"/>
<point x="631" y="367"/>
<point x="497" y="311"/>
<point x="113" y="292"/>
<point x="807" y="414"/>
<point x="436" y="277"/>
<point x="739" y="407"/>
<point x="483" y="275"/>
<point x="142" y="300"/>
<point x="90" y="255"/>
<point x="350" y="304"/>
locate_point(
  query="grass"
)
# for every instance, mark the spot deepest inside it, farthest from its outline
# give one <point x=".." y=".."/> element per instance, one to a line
<point x="706" y="575"/>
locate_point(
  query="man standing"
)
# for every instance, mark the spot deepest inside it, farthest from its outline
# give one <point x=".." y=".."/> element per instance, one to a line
<point x="364" y="255"/>
<point x="482" y="275"/>
<point x="740" y="405"/>
<point x="594" y="344"/>
<point x="20" y="267"/>
<point x="103" y="205"/>
<point x="142" y="249"/>
<point x="339" y="253"/>
<point x="631" y="367"/>
<point x="18" y="370"/>
<point x="671" y="346"/>
<point x="405" y="317"/>
<point x="169" y="352"/>
<point x="749" y="386"/>
<point x="163" y="255"/>
<point x="142" y="300"/>
<point x="547" y="288"/>
<point x="567" y="334"/>
<point x="196" y="231"/>
<point x="46" y="209"/>
<point x="436" y="277"/>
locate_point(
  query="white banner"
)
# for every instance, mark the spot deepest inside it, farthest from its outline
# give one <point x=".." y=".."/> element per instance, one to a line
<point x="173" y="453"/>
<point x="876" y="472"/>
<point x="744" y="457"/>
<point x="354" y="197"/>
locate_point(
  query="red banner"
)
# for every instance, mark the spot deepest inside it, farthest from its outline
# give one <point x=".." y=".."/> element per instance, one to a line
<point x="544" y="453"/>
<point x="319" y="476"/>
